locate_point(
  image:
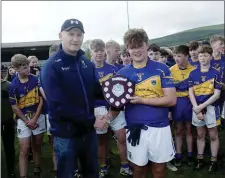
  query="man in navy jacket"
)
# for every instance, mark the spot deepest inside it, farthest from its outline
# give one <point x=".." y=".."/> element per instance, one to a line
<point x="68" y="80"/>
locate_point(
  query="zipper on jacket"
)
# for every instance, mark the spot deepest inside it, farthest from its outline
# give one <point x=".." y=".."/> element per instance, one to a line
<point x="84" y="90"/>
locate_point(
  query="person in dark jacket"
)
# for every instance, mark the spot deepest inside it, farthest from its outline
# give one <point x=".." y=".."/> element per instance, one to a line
<point x="7" y="124"/>
<point x="71" y="88"/>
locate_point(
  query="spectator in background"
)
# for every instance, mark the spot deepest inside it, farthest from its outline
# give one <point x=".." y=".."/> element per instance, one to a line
<point x="11" y="74"/>
<point x="170" y="60"/>
<point x="217" y="44"/>
<point x="193" y="51"/>
<point x="7" y="124"/>
<point x="125" y="56"/>
<point x="34" y="68"/>
<point x="163" y="56"/>
<point x="154" y="52"/>
<point x="113" y="53"/>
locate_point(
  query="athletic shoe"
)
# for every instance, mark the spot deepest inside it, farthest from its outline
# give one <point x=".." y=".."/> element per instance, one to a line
<point x="190" y="161"/>
<point x="212" y="166"/>
<point x="103" y="173"/>
<point x="126" y="171"/>
<point x="178" y="162"/>
<point x="199" y="165"/>
<point x="37" y="172"/>
<point x="171" y="167"/>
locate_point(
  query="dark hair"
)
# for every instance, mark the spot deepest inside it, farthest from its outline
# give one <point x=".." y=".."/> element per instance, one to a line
<point x="206" y="49"/>
<point x="163" y="53"/>
<point x="205" y="43"/>
<point x="134" y="38"/>
<point x="193" y="45"/>
<point x="124" y="52"/>
<point x="154" y="48"/>
<point x="183" y="49"/>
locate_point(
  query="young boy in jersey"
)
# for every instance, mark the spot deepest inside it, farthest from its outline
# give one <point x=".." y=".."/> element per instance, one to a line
<point x="125" y="56"/>
<point x="104" y="71"/>
<point x="204" y="91"/>
<point x="112" y="49"/>
<point x="26" y="102"/>
<point x="217" y="44"/>
<point x="148" y="132"/>
<point x="193" y="51"/>
<point x="154" y="52"/>
<point x="34" y="68"/>
<point x="182" y="112"/>
<point x="163" y="56"/>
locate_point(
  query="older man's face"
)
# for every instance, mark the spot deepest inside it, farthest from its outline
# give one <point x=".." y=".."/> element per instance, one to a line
<point x="72" y="39"/>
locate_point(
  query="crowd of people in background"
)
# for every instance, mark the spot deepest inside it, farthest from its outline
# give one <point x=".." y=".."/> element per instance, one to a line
<point x="182" y="86"/>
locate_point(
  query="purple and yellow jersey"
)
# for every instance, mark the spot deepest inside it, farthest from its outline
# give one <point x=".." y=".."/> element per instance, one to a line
<point x="25" y="95"/>
<point x="119" y="66"/>
<point x="218" y="64"/>
<point x="194" y="63"/>
<point x="150" y="81"/>
<point x="204" y="83"/>
<point x="104" y="73"/>
<point x="180" y="77"/>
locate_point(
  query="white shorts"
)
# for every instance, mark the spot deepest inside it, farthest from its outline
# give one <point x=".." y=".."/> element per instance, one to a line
<point x="24" y="131"/>
<point x="156" y="145"/>
<point x="118" y="123"/>
<point x="209" y="118"/>
<point x="223" y="111"/>
<point x="48" y="124"/>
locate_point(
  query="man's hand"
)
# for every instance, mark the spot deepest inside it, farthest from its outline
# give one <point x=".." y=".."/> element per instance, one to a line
<point x="200" y="116"/>
<point x="198" y="108"/>
<point x="101" y="123"/>
<point x="136" y="100"/>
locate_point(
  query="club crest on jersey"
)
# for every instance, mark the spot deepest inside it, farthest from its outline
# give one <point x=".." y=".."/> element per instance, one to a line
<point x="153" y="82"/>
<point x="203" y="78"/>
<point x="101" y="74"/>
<point x="140" y="76"/>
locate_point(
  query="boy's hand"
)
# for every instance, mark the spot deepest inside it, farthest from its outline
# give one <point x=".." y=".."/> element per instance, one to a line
<point x="101" y="123"/>
<point x="136" y="100"/>
<point x="200" y="116"/>
<point x="32" y="124"/>
<point x="198" y="109"/>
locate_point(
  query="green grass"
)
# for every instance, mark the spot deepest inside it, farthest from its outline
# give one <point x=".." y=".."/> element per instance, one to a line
<point x="183" y="172"/>
<point x="197" y="34"/>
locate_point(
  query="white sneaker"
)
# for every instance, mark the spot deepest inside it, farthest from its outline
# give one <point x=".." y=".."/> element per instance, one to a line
<point x="126" y="172"/>
<point x="171" y="167"/>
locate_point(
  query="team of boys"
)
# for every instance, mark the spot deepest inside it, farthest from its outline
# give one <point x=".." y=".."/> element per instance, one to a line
<point x="187" y="92"/>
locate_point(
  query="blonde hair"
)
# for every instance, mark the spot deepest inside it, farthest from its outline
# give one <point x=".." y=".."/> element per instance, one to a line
<point x="215" y="38"/>
<point x="32" y="57"/>
<point x="111" y="43"/>
<point x="19" y="59"/>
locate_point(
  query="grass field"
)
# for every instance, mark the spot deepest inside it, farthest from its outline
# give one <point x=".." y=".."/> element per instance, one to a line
<point x="183" y="172"/>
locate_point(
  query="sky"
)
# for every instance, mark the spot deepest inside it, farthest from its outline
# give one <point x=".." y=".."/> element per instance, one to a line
<point x="26" y="21"/>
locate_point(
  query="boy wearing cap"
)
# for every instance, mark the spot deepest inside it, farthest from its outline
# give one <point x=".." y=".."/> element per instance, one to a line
<point x="71" y="103"/>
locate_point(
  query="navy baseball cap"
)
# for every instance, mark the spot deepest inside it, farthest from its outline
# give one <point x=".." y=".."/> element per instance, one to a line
<point x="72" y="23"/>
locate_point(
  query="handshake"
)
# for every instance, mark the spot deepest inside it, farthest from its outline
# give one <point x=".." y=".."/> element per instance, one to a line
<point x="102" y="122"/>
